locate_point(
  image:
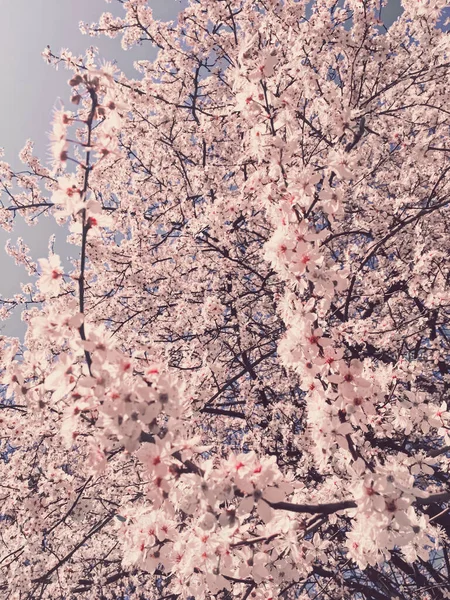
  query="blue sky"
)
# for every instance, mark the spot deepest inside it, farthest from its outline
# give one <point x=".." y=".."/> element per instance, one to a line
<point x="31" y="89"/>
<point x="30" y="86"/>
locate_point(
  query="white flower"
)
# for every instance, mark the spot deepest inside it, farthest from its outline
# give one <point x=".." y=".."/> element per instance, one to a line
<point x="51" y="274"/>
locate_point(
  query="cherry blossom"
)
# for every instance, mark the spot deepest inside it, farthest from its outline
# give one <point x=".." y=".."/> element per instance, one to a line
<point x="236" y="386"/>
<point x="51" y="274"/>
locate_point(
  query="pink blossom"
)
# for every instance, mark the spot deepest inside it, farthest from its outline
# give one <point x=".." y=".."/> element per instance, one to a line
<point x="51" y="274"/>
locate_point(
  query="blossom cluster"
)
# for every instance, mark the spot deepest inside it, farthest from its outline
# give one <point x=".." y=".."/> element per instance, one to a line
<point x="238" y="387"/>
